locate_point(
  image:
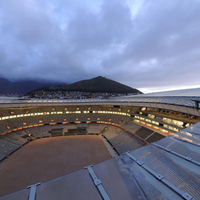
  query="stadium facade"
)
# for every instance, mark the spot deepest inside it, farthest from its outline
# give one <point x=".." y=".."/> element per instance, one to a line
<point x="162" y="163"/>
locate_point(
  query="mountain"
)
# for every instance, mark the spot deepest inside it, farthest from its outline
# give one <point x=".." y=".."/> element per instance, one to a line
<point x="98" y="84"/>
<point x="22" y="87"/>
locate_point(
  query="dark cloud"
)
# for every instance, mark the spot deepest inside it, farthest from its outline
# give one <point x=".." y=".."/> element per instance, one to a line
<point x="153" y="44"/>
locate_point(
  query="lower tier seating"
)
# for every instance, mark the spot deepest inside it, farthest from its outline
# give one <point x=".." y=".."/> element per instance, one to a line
<point x="121" y="140"/>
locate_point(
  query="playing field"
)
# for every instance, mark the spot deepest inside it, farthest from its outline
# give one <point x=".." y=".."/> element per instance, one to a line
<point x="49" y="158"/>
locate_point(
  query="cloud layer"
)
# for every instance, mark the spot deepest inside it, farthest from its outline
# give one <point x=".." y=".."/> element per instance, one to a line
<point x="145" y="44"/>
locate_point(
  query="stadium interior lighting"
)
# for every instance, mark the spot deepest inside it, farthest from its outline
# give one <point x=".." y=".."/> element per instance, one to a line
<point x="146" y="133"/>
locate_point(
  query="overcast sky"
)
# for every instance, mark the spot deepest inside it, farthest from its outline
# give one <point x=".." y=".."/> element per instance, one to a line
<point x="151" y="45"/>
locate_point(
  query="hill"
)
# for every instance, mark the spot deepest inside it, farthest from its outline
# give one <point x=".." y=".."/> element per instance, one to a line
<point x="21" y="87"/>
<point x="98" y="84"/>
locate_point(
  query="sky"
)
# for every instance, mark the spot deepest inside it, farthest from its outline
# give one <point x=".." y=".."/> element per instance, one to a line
<point x="149" y="45"/>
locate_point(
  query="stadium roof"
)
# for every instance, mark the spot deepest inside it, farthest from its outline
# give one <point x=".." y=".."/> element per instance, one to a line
<point x="187" y="97"/>
<point x="167" y="169"/>
<point x="195" y="92"/>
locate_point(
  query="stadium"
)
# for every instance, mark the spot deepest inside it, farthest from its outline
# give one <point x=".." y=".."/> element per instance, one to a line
<point x="133" y="147"/>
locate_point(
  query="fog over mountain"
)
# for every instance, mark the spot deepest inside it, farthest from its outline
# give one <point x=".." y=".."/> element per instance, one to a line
<point x="22" y="87"/>
<point x="150" y="45"/>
